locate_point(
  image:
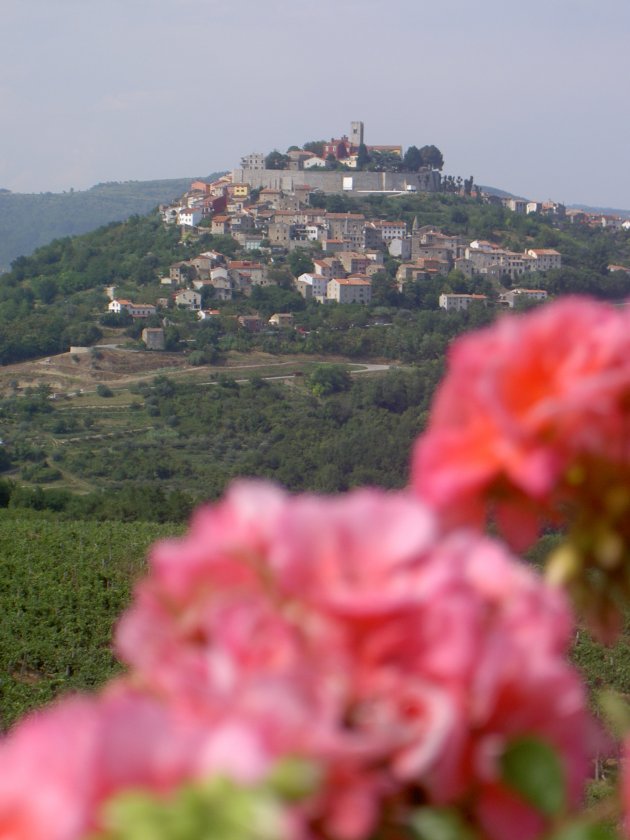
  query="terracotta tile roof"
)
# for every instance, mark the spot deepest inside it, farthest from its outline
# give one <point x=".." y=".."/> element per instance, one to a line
<point x="244" y="264"/>
<point x="353" y="281"/>
<point x="345" y="216"/>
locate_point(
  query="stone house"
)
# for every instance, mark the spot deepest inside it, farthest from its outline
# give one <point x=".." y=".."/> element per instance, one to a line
<point x="188" y="299"/>
<point x="153" y="338"/>
<point x="545" y="259"/>
<point x="182" y="272"/>
<point x="220" y="225"/>
<point x="510" y="298"/>
<point x="459" y="303"/>
<point x="353" y="262"/>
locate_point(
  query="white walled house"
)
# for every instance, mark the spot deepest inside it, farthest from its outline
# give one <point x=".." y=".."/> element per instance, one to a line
<point x="118" y="305"/>
<point x="136" y="310"/>
<point x="459" y="303"/>
<point x="392" y="230"/>
<point x="189" y="216"/>
<point x="400" y="248"/>
<point x="349" y="290"/>
<point x="318" y="285"/>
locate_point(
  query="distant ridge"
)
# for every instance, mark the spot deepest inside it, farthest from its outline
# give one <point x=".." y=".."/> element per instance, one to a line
<point x="29" y="220"/>
<point x="501" y="193"/>
<point x="606" y="211"/>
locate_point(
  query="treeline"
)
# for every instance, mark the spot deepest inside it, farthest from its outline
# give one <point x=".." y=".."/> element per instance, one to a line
<point x="131" y="503"/>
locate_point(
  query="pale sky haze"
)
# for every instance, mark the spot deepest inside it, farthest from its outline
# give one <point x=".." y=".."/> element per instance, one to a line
<point x="526" y="95"/>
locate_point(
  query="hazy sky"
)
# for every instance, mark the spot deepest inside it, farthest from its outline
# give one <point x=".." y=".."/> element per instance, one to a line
<point x="527" y="95"/>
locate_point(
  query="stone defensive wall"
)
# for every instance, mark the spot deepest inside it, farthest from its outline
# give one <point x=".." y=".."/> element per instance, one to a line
<point x="344" y="181"/>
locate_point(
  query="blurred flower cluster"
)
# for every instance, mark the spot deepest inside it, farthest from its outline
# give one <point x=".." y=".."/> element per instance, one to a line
<point x="370" y="664"/>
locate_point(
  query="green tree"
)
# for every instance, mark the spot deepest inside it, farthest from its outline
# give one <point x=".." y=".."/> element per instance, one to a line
<point x="384" y="291"/>
<point x="46" y="289"/>
<point x="315" y="146"/>
<point x="412" y="159"/>
<point x="300" y="262"/>
<point x="276" y="160"/>
<point x="363" y="156"/>
<point x="432" y="156"/>
<point x="281" y="276"/>
<point x="385" y="162"/>
<point x="329" y="379"/>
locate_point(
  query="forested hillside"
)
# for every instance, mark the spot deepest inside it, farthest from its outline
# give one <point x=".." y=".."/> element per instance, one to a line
<point x="55" y="298"/>
<point x="29" y="220"/>
<point x="155" y="452"/>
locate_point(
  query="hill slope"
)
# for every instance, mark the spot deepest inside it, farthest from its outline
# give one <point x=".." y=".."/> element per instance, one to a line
<point x="28" y="221"/>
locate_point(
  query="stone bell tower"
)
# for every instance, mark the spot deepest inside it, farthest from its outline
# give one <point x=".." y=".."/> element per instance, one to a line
<point x="356" y="133"/>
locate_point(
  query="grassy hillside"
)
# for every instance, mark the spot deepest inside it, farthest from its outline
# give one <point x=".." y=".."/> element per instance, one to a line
<point x="62" y="585"/>
<point x="30" y="220"/>
<point x="55" y="298"/>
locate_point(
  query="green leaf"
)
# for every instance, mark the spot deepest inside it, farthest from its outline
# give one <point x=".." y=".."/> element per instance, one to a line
<point x="532" y="769"/>
<point x="214" y="810"/>
<point x="439" y="824"/>
<point x="294" y="779"/>
<point x="615" y="711"/>
<point x="585" y="831"/>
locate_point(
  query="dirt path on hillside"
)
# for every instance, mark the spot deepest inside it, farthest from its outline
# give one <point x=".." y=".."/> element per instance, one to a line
<point x="69" y="373"/>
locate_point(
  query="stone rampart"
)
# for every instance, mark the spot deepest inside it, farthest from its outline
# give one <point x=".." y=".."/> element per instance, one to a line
<point x="339" y="181"/>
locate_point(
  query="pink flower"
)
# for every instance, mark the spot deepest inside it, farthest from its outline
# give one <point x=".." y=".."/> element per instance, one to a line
<point x="59" y="765"/>
<point x="525" y="402"/>
<point x="46" y="766"/>
<point x="345" y="630"/>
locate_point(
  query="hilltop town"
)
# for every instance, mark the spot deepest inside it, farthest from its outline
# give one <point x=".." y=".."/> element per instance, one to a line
<point x="287" y="210"/>
<point x="275" y="251"/>
<point x="271" y="206"/>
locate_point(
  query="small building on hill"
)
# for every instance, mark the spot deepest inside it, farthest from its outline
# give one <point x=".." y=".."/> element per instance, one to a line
<point x="153" y="338"/>
<point x="136" y="310"/>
